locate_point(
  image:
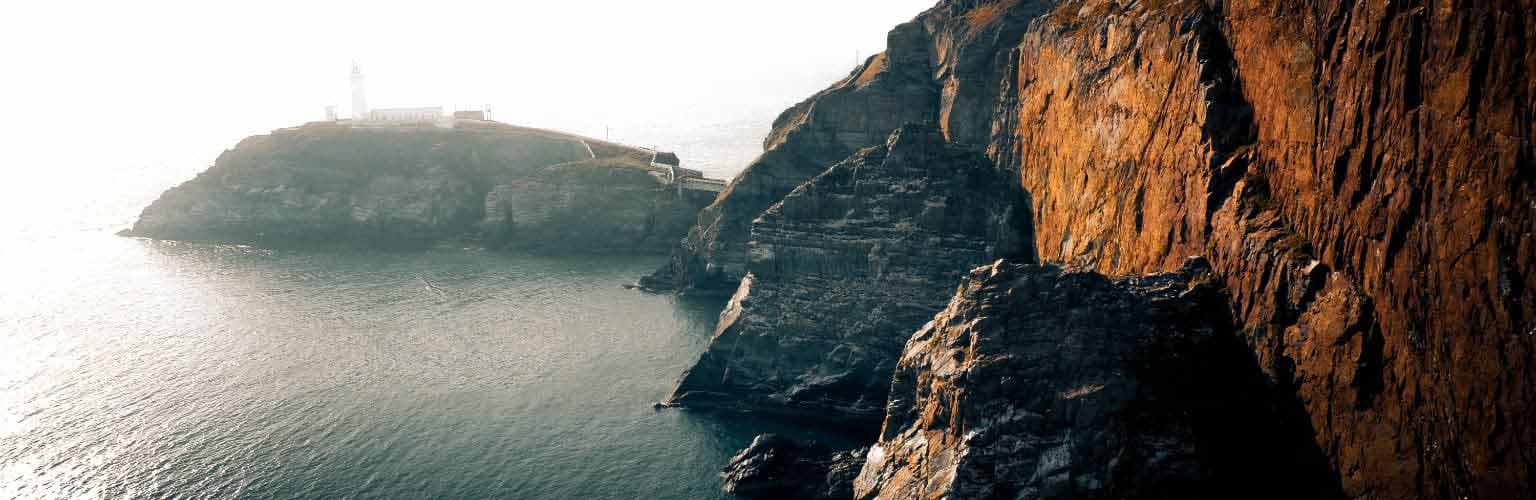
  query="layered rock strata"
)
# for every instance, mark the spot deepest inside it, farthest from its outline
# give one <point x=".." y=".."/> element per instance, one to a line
<point x="858" y="112"/>
<point x="843" y="269"/>
<point x="1041" y="383"/>
<point x="920" y="78"/>
<point x="499" y="185"/>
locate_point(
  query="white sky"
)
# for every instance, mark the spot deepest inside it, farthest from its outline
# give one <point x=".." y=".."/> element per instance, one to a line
<point x="136" y="82"/>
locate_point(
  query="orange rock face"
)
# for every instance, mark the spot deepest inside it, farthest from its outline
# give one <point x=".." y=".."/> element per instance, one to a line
<point x="1396" y="137"/>
<point x="1389" y="141"/>
<point x="1118" y="122"/>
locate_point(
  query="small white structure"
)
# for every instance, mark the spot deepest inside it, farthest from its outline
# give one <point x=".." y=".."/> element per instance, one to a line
<point x="469" y="115"/>
<point x="406" y="115"/>
<point x="330" y="113"/>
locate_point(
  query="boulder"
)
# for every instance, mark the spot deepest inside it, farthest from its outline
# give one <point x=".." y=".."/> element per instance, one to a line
<point x="776" y="467"/>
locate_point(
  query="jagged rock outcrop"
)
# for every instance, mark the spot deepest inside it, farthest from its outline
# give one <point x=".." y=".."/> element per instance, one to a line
<point x="1359" y="174"/>
<point x="920" y="78"/>
<point x="857" y="112"/>
<point x="1040" y="383"/>
<point x="496" y="184"/>
<point x="843" y="269"/>
<point x="775" y="467"/>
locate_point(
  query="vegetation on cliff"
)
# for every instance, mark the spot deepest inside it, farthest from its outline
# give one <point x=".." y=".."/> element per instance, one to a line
<point x="493" y="184"/>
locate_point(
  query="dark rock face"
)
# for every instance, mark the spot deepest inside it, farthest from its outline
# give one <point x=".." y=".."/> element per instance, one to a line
<point x="856" y="113"/>
<point x="593" y="205"/>
<point x="920" y="78"/>
<point x="843" y="269"/>
<point x="777" y="467"/>
<point x="495" y="184"/>
<point x="1037" y="383"/>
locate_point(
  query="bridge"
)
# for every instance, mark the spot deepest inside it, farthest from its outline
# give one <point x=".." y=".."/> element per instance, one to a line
<point x="670" y="174"/>
<point x="703" y="184"/>
<point x="663" y="167"/>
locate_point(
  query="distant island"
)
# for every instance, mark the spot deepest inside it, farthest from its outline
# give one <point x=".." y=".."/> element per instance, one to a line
<point x="418" y="176"/>
<point x="420" y="180"/>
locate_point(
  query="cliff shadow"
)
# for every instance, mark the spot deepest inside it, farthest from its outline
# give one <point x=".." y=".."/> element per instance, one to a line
<point x="1255" y="436"/>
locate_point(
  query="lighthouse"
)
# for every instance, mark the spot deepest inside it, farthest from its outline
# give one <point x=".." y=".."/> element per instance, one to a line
<point x="359" y="97"/>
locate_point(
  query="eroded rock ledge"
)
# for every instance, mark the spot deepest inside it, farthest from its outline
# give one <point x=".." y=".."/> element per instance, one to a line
<point x="843" y="269"/>
<point x="484" y="183"/>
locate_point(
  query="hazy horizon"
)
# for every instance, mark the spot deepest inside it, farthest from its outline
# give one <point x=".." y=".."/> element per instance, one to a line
<point x="173" y="83"/>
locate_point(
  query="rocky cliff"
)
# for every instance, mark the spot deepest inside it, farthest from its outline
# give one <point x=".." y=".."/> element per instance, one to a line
<point x="494" y="184"/>
<point x="1365" y="199"/>
<point x="860" y="111"/>
<point x="923" y="77"/>
<point x="1042" y="383"/>
<point x="1358" y="174"/>
<point x="842" y="269"/>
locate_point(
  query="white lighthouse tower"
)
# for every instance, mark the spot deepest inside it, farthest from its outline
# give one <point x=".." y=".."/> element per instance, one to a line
<point x="359" y="97"/>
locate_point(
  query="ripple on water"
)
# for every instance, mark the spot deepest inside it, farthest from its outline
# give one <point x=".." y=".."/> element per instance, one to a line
<point x="147" y="369"/>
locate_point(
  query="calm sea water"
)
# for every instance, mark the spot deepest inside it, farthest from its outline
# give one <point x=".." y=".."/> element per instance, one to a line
<point x="133" y="368"/>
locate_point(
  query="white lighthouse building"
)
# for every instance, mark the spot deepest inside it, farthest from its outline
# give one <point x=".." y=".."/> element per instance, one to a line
<point x="359" y="95"/>
<point x="365" y="116"/>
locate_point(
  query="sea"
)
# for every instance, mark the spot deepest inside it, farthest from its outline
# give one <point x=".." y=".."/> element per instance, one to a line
<point x="132" y="368"/>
